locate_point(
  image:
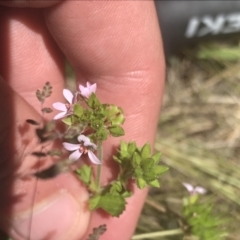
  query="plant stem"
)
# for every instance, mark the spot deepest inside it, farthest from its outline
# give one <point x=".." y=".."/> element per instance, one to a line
<point x="99" y="168"/>
<point x="152" y="235"/>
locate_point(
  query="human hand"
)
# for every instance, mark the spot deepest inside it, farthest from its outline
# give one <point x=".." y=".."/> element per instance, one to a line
<point x="115" y="44"/>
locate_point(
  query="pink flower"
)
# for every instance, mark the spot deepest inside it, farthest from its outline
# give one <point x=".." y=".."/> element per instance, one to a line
<point x="194" y="190"/>
<point x="85" y="146"/>
<point x="87" y="91"/>
<point x="65" y="108"/>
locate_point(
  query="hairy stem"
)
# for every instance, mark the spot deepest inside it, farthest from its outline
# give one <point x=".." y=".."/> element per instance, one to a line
<point x="99" y="168"/>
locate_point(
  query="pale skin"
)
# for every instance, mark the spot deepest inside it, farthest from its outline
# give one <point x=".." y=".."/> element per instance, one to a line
<point x="115" y="44"/>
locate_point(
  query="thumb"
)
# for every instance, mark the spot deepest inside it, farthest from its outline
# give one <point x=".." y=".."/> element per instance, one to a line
<point x="31" y="208"/>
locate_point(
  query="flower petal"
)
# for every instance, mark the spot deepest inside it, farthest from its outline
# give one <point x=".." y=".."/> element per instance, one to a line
<point x="189" y="187"/>
<point x="88" y="90"/>
<point x="88" y="84"/>
<point x="70" y="146"/>
<point x="200" y="190"/>
<point x="83" y="138"/>
<point x="90" y="144"/>
<point x="84" y="92"/>
<point x="93" y="158"/>
<point x="93" y="88"/>
<point x="60" y="106"/>
<point x="60" y="115"/>
<point x="75" y="155"/>
<point x="68" y="95"/>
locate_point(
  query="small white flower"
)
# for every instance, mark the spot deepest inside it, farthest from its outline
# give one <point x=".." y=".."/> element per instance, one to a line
<point x="194" y="190"/>
<point x="85" y="146"/>
<point x="88" y="90"/>
<point x="65" y="108"/>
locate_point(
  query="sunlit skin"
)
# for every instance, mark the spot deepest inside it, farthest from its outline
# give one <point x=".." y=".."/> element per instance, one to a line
<point x="116" y="44"/>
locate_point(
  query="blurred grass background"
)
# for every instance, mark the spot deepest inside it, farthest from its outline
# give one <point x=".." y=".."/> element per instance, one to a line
<point x="199" y="137"/>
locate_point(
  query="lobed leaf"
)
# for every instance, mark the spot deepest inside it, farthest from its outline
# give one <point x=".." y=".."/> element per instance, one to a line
<point x="116" y="131"/>
<point x="146" y="151"/>
<point x="93" y="101"/>
<point x="78" y="110"/>
<point x="156" y="157"/>
<point x="113" y="204"/>
<point x="85" y="173"/>
<point x="131" y="148"/>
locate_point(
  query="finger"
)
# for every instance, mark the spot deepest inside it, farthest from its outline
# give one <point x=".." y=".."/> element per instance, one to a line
<point x="116" y="44"/>
<point x="27" y="3"/>
<point x="29" y="58"/>
<point x="54" y="197"/>
<point x="28" y="55"/>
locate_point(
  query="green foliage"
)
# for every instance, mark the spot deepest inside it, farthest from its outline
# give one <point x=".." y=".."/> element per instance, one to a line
<point x="139" y="164"/>
<point x="78" y="110"/>
<point x="98" y="121"/>
<point x="67" y="120"/>
<point x="113" y="204"/>
<point x="203" y="223"/>
<point x="116" y="131"/>
<point x="85" y="174"/>
<point x="103" y="119"/>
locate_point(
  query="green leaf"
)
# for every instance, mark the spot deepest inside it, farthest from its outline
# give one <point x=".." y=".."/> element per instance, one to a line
<point x="101" y="134"/>
<point x="118" y="120"/>
<point x="146" y="151"/>
<point x="154" y="183"/>
<point x="97" y="124"/>
<point x="126" y="194"/>
<point x="141" y="183"/>
<point x="116" y="131"/>
<point x="136" y="160"/>
<point x="160" y="169"/>
<point x="85" y="173"/>
<point x="116" y="188"/>
<point x="118" y="160"/>
<point x="156" y="157"/>
<point x="113" y="204"/>
<point x="78" y="110"/>
<point x="147" y="164"/>
<point x="123" y="147"/>
<point x="138" y="172"/>
<point x="67" y="120"/>
<point x="94" y="202"/>
<point x="93" y="101"/>
<point x="111" y="111"/>
<point x="131" y="148"/>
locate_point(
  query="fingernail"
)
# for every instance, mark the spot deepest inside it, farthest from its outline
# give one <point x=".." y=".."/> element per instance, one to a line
<point x="59" y="217"/>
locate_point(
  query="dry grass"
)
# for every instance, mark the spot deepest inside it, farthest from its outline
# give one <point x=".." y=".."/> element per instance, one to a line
<point x="199" y="137"/>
